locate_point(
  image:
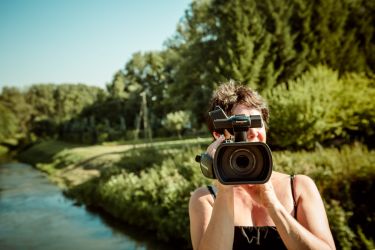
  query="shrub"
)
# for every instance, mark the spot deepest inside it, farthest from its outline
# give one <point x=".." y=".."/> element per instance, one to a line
<point x="321" y="108"/>
<point x="357" y="108"/>
<point x="154" y="197"/>
<point x="177" y="121"/>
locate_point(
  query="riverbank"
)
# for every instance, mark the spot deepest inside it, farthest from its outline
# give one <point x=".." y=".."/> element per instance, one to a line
<point x="148" y="184"/>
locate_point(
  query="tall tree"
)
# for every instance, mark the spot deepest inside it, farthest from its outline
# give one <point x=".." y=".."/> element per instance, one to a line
<point x="8" y="123"/>
<point x="41" y="98"/>
<point x="264" y="43"/>
<point x="71" y="99"/>
<point x="18" y="110"/>
<point x="117" y="88"/>
<point x="147" y="74"/>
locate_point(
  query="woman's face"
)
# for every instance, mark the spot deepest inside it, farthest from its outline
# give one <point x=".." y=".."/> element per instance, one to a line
<point x="253" y="134"/>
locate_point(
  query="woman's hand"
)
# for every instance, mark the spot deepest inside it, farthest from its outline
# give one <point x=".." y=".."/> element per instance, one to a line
<point x="263" y="194"/>
<point x="211" y="149"/>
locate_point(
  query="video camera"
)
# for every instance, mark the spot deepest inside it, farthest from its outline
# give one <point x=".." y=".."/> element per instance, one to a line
<point x="237" y="161"/>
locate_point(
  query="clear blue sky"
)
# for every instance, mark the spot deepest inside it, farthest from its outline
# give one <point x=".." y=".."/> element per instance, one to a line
<point x="79" y="41"/>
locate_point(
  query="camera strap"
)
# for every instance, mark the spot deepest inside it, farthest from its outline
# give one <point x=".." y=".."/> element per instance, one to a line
<point x="212" y="190"/>
<point x="293" y="195"/>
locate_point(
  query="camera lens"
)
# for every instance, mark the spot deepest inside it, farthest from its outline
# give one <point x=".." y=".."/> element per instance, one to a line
<point x="242" y="161"/>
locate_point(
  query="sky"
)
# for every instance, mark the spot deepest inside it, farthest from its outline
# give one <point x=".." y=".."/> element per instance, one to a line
<point x="79" y="41"/>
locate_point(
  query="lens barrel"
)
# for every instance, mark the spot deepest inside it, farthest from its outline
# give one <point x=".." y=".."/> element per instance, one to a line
<point x="243" y="163"/>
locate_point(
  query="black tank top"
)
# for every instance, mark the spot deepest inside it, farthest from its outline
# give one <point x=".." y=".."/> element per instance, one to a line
<point x="252" y="237"/>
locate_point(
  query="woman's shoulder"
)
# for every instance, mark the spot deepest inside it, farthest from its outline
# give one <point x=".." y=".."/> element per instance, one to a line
<point x="201" y="195"/>
<point x="298" y="178"/>
<point x="302" y="181"/>
<point x="302" y="184"/>
<point x="200" y="192"/>
<point x="303" y="187"/>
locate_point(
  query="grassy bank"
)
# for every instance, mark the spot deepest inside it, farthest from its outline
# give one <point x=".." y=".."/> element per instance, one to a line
<point x="149" y="185"/>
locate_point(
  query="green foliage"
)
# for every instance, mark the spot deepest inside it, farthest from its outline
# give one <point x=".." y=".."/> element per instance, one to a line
<point x="304" y="114"/>
<point x="152" y="189"/>
<point x="357" y="108"/>
<point x="42" y="98"/>
<point x="367" y="243"/>
<point x="338" y="217"/>
<point x="154" y="198"/>
<point x="144" y="73"/>
<point x="3" y="152"/>
<point x="8" y="123"/>
<point x="320" y="107"/>
<point x="117" y="88"/>
<point x="61" y="102"/>
<point x="266" y="43"/>
<point x="71" y="99"/>
<point x="177" y="121"/>
<point x="40" y="109"/>
<point x="136" y="159"/>
<point x="16" y="116"/>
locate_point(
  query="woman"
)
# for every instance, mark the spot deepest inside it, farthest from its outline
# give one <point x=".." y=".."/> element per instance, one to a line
<point x="286" y="212"/>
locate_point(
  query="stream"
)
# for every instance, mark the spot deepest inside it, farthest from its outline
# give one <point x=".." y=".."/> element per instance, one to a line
<point x="34" y="214"/>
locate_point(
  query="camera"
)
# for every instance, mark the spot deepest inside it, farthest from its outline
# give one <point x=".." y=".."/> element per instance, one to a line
<point x="237" y="161"/>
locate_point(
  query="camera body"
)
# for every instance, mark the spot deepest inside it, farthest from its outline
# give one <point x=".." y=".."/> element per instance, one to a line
<point x="238" y="161"/>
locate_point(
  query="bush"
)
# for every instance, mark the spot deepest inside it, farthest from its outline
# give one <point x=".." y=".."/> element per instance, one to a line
<point x="357" y="108"/>
<point x="338" y="217"/>
<point x="321" y="108"/>
<point x="154" y="198"/>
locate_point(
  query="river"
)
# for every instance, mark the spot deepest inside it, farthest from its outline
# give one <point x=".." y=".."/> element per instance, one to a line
<point x="34" y="214"/>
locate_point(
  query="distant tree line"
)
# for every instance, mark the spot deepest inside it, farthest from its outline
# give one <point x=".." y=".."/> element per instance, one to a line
<point x="313" y="60"/>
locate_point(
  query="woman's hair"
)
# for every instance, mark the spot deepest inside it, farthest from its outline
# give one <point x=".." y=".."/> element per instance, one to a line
<point x="230" y="94"/>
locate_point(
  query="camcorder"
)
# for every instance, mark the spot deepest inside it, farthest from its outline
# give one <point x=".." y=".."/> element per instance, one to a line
<point x="236" y="160"/>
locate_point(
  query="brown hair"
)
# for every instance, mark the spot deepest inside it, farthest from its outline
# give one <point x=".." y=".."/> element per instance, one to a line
<point x="232" y="93"/>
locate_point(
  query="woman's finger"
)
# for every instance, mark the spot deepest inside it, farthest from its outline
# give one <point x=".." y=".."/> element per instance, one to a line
<point x="213" y="146"/>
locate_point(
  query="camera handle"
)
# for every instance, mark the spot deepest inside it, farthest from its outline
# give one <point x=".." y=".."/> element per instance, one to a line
<point x="206" y="163"/>
<point x="240" y="136"/>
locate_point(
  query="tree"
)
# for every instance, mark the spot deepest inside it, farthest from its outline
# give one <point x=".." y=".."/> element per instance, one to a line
<point x="71" y="99"/>
<point x="266" y="43"/>
<point x="8" y="123"/>
<point x="177" y="121"/>
<point x="117" y="88"/>
<point x="148" y="73"/>
<point x="41" y="98"/>
<point x="18" y="111"/>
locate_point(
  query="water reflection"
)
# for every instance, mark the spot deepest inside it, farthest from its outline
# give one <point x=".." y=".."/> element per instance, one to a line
<point x="35" y="215"/>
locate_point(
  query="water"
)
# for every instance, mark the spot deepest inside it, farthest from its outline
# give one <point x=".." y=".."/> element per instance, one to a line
<point x="35" y="215"/>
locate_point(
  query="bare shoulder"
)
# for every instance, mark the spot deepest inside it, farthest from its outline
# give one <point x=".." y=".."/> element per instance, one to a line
<point x="200" y="204"/>
<point x="304" y="182"/>
<point x="306" y="187"/>
<point x="201" y="195"/>
<point x="201" y="191"/>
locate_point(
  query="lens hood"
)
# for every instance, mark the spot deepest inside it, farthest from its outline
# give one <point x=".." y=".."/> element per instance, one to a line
<point x="243" y="163"/>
